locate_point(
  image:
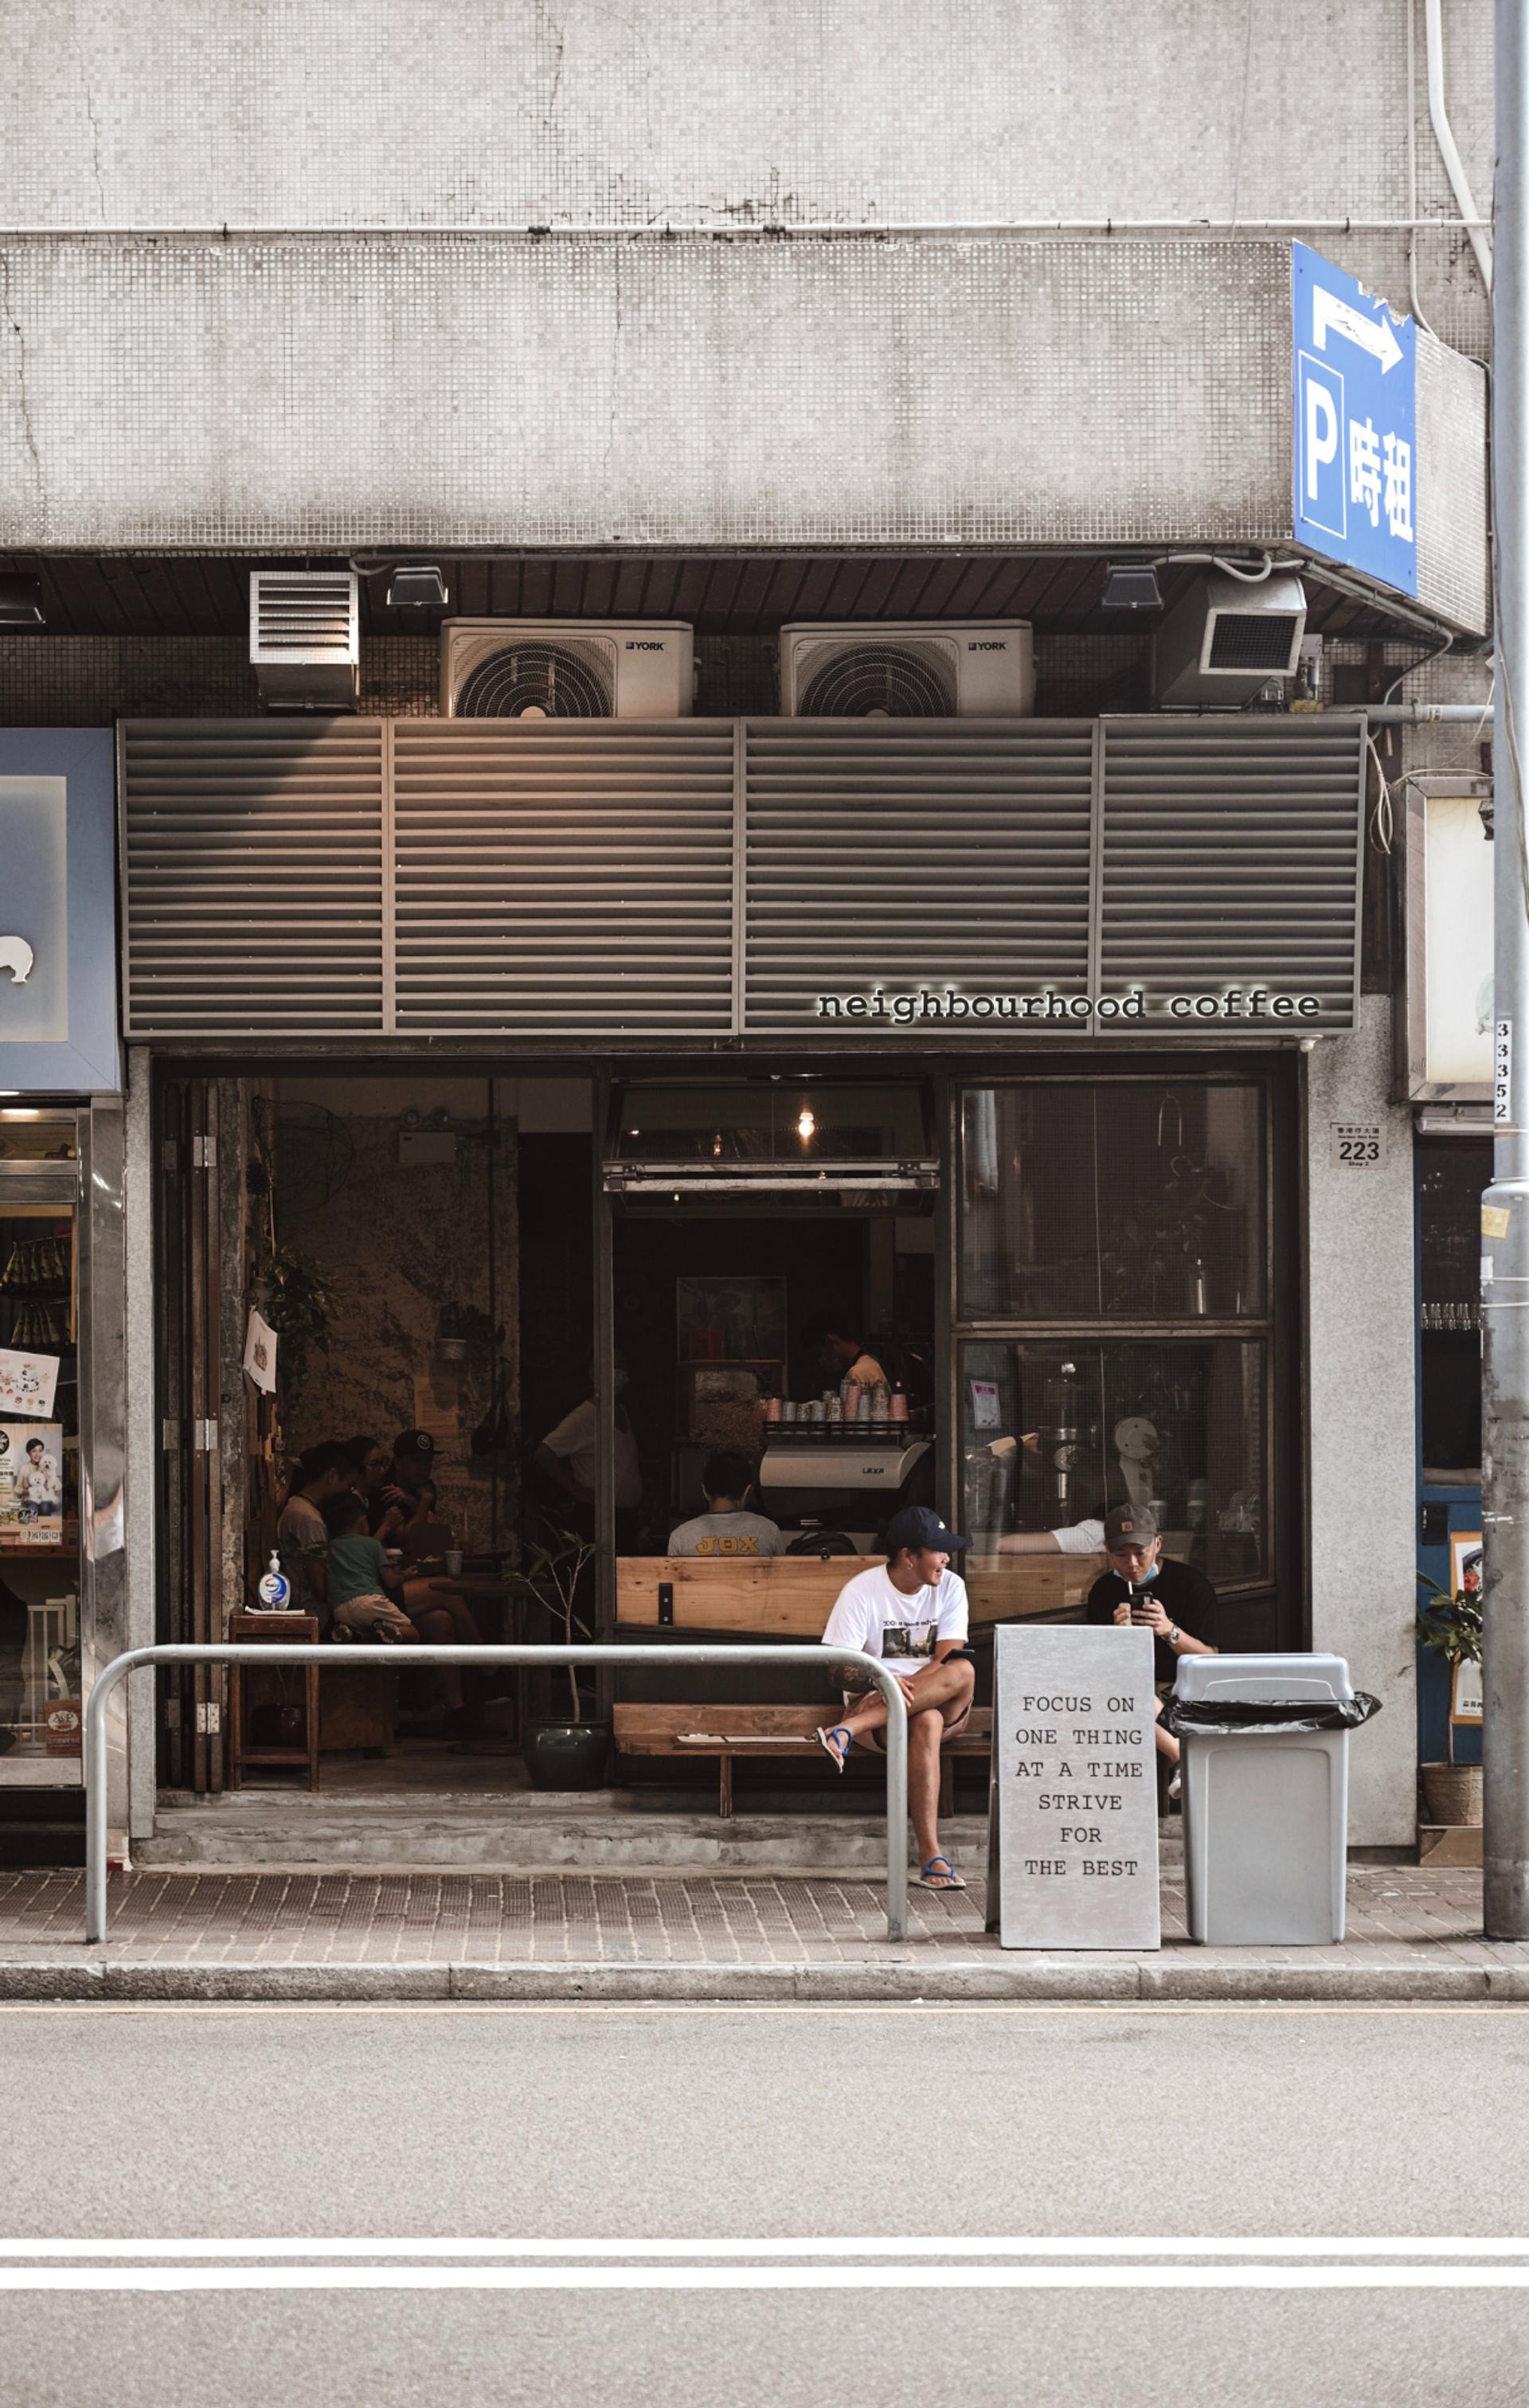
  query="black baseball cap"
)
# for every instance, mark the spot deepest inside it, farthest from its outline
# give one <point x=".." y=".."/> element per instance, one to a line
<point x="919" y="1526"/>
<point x="1130" y="1526"/>
<point x="414" y="1446"/>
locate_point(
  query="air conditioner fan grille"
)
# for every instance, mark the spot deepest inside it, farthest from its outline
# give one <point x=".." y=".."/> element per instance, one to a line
<point x="538" y="680"/>
<point x="879" y="681"/>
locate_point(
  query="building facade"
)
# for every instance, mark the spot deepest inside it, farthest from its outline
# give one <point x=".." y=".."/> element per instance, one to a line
<point x="727" y="325"/>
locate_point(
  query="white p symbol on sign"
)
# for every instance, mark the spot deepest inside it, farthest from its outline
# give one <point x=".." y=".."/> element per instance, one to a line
<point x="1322" y="434"/>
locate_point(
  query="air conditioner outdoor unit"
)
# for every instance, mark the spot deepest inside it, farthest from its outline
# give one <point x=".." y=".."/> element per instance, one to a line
<point x="929" y="670"/>
<point x="305" y="637"/>
<point x="1224" y="639"/>
<point x="566" y="669"/>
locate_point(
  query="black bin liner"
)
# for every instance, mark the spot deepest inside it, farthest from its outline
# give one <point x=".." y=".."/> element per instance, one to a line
<point x="1242" y="1715"/>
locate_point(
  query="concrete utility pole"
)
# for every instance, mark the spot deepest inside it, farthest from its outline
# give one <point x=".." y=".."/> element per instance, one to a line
<point x="1504" y="1207"/>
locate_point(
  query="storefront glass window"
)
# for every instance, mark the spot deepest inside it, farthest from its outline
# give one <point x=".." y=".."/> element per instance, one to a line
<point x="1053" y="1434"/>
<point x="1119" y="1199"/>
<point x="1114" y="1344"/>
<point x="40" y="1455"/>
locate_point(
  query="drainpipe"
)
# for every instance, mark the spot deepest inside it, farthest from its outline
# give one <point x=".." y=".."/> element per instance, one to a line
<point x="1454" y="166"/>
<point x="1505" y="1206"/>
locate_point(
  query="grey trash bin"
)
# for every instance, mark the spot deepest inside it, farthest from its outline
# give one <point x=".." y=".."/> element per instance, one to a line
<point x="1265" y="1810"/>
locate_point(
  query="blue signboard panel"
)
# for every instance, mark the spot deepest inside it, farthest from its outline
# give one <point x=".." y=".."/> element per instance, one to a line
<point x="1356" y="409"/>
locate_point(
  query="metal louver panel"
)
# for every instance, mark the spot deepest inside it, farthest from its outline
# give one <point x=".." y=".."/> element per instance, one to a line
<point x="252" y="862"/>
<point x="897" y="855"/>
<point x="1230" y="860"/>
<point x="572" y="879"/>
<point x="312" y="613"/>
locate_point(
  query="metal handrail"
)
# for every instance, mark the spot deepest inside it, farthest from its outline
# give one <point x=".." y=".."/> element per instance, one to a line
<point x="307" y="1652"/>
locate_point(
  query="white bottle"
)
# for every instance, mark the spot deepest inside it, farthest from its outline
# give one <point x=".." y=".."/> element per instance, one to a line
<point x="275" y="1587"/>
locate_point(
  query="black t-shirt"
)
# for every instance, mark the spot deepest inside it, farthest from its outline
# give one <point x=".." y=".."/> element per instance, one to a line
<point x="1186" y="1597"/>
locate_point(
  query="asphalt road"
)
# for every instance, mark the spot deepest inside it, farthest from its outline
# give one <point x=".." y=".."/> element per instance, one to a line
<point x="700" y="2126"/>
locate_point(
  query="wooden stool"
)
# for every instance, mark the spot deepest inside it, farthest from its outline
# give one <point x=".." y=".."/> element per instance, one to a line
<point x="273" y="1628"/>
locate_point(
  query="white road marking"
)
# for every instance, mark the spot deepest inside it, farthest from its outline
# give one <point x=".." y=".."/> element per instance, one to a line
<point x="900" y="2277"/>
<point x="909" y="2246"/>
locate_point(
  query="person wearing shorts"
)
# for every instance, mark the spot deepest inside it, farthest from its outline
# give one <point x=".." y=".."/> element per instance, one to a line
<point x="912" y="1613"/>
<point x="360" y="1584"/>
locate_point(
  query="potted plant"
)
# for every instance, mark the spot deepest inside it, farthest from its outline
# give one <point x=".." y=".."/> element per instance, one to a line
<point x="573" y="1753"/>
<point x="1451" y="1626"/>
<point x="295" y="1297"/>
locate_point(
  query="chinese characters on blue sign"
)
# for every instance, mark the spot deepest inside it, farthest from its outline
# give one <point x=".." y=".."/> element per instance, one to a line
<point x="1356" y="406"/>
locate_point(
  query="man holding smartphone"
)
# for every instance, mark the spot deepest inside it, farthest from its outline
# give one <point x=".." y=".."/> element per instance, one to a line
<point x="1154" y="1592"/>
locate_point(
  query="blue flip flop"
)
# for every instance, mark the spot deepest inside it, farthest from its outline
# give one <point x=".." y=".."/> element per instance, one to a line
<point x="827" y="1737"/>
<point x="951" y="1880"/>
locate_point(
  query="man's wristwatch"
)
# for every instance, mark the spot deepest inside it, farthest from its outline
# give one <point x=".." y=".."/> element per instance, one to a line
<point x="1174" y="1634"/>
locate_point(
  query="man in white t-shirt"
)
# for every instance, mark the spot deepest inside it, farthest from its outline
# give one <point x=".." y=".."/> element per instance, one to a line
<point x="568" y="1455"/>
<point x="912" y="1612"/>
<point x="727" y="1528"/>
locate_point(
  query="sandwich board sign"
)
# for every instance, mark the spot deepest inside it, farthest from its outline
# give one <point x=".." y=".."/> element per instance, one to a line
<point x="1072" y="1845"/>
<point x="1355" y="424"/>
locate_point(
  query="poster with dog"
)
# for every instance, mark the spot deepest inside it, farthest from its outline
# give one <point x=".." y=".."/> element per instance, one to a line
<point x="30" y="1483"/>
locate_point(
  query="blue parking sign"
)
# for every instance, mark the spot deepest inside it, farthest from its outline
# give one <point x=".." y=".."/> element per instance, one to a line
<point x="1355" y="408"/>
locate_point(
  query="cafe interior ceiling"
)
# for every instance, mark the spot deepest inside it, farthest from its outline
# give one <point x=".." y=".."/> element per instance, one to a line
<point x="720" y="594"/>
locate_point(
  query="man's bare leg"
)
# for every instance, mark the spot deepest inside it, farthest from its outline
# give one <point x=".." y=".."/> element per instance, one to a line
<point x="950" y="1683"/>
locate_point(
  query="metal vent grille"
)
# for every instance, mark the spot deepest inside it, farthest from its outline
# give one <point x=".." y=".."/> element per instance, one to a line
<point x="311" y="613"/>
<point x="1250" y="640"/>
<point x="1231" y="861"/>
<point x="904" y="859"/>
<point x="566" y="882"/>
<point x="910" y="680"/>
<point x="253" y="860"/>
<point x="570" y="681"/>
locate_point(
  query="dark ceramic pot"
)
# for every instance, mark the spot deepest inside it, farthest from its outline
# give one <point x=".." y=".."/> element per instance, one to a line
<point x="567" y="1756"/>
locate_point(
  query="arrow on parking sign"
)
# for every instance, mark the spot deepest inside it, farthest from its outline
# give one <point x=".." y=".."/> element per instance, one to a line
<point x="1330" y="316"/>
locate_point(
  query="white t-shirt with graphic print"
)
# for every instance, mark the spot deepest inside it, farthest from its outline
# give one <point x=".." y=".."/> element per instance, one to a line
<point x="872" y="1613"/>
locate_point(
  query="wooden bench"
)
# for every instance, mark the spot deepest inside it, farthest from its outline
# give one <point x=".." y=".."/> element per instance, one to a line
<point x="731" y="1733"/>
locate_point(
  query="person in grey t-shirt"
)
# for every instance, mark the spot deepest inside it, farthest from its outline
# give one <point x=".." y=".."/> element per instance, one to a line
<point x="727" y="1529"/>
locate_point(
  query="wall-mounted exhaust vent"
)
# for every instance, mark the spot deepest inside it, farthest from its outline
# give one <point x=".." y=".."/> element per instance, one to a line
<point x="566" y="669"/>
<point x="1224" y="639"/>
<point x="305" y="637"/>
<point x="960" y="669"/>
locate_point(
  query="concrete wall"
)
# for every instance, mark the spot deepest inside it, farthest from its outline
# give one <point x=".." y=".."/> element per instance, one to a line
<point x="1360" y="1399"/>
<point x="309" y="353"/>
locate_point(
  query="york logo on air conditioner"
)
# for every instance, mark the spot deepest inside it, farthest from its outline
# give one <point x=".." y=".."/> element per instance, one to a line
<point x="633" y="645"/>
<point x="999" y="647"/>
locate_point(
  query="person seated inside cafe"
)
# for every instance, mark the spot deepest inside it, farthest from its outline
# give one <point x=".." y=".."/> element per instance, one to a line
<point x="912" y="1612"/>
<point x="1147" y="1590"/>
<point x="728" y="1527"/>
<point x="425" y="1540"/>
<point x="301" y="1537"/>
<point x="366" y="1594"/>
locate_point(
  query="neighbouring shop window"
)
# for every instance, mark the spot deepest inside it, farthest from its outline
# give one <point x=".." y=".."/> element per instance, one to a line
<point x="1118" y="1199"/>
<point x="1055" y="1433"/>
<point x="1114" y="1339"/>
<point x="1452" y="1174"/>
<point x="39" y="1449"/>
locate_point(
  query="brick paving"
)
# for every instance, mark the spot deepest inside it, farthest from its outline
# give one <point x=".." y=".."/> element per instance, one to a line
<point x="1404" y="1922"/>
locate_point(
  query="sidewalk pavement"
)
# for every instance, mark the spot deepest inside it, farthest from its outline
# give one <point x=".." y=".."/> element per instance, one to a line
<point x="1414" y="1933"/>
